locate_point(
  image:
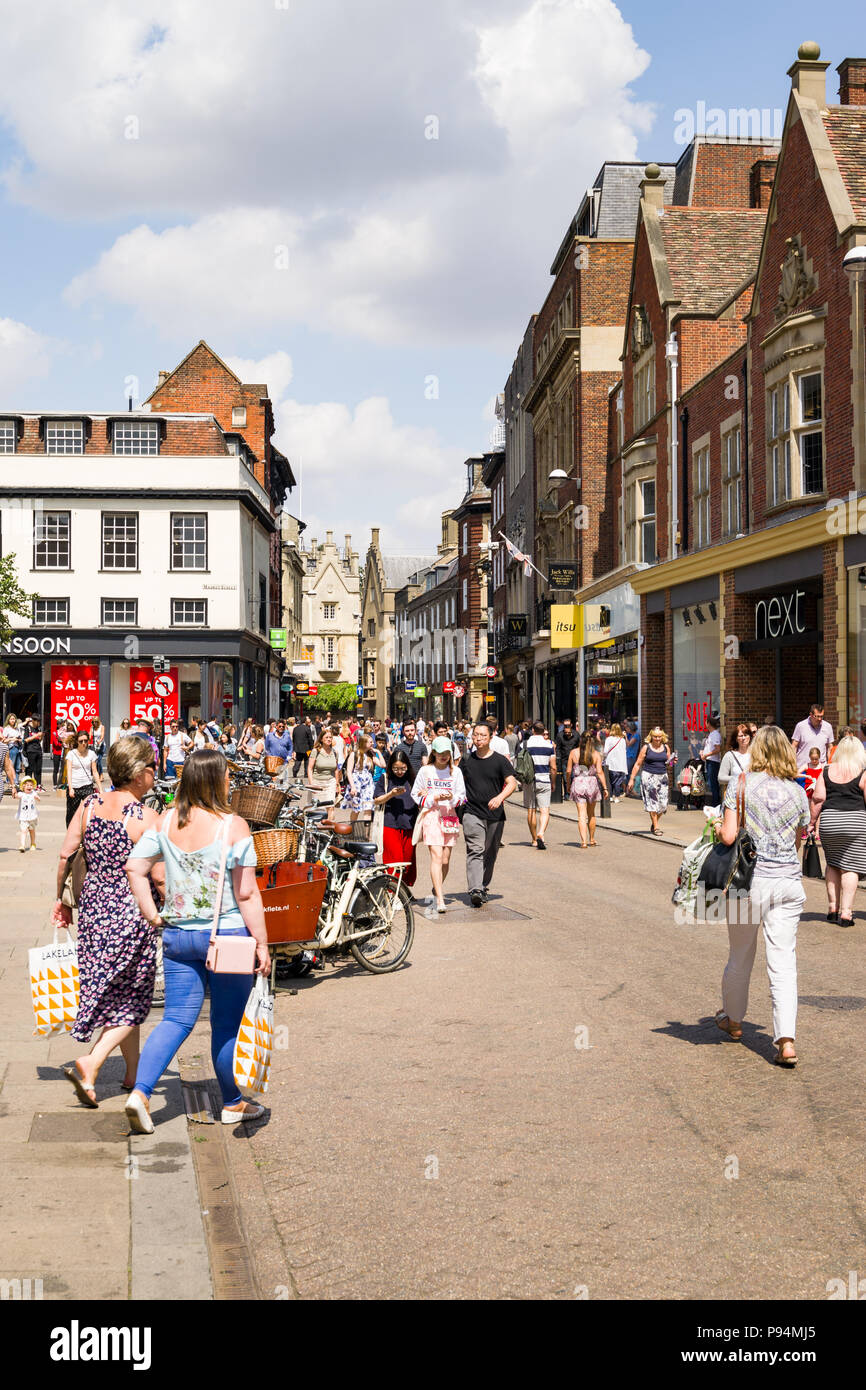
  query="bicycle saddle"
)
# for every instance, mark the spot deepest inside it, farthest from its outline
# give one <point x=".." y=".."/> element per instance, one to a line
<point x="315" y="815"/>
<point x="361" y="847"/>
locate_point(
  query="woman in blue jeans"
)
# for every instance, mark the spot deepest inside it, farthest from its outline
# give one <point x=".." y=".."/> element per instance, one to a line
<point x="189" y="842"/>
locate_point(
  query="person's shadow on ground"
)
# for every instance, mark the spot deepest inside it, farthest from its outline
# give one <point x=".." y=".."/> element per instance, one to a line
<point x="705" y="1032"/>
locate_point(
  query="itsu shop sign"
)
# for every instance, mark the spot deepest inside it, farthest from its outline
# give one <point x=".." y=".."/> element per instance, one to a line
<point x="74" y="693"/>
<point x="149" y="691"/>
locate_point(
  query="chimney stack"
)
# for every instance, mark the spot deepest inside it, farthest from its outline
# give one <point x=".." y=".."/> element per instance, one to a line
<point x="761" y="177"/>
<point x="162" y="377"/>
<point x="808" y="75"/>
<point x="852" y="82"/>
<point x="652" y="187"/>
<point x="374" y="532"/>
<point x="329" y="538"/>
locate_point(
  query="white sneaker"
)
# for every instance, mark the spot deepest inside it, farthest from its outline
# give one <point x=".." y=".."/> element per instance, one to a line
<point x="234" y="1117"/>
<point x="138" y="1115"/>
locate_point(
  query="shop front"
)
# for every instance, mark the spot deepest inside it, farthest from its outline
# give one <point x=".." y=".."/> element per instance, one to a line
<point x="696" y="671"/>
<point x="78" y="676"/>
<point x="611" y="680"/>
<point x="780" y="669"/>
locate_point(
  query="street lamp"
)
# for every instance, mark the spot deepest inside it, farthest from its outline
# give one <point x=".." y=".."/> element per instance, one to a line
<point x="558" y="475"/>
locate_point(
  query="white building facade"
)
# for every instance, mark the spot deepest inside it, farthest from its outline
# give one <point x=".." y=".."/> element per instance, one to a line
<point x="142" y="535"/>
<point x="331" y="612"/>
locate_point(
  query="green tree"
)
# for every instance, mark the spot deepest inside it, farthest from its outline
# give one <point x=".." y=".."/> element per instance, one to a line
<point x="14" y="602"/>
<point x="339" y="698"/>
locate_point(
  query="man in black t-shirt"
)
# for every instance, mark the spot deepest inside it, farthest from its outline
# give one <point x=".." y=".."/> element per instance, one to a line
<point x="489" y="780"/>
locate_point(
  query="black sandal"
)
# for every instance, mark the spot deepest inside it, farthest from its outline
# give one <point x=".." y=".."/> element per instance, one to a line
<point x="832" y="916"/>
<point x="845" y="921"/>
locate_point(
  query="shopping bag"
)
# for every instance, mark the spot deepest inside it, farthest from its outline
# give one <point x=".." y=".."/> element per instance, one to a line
<point x="604" y="808"/>
<point x="252" y="1055"/>
<point x="54" y="985"/>
<point x="812" y="859"/>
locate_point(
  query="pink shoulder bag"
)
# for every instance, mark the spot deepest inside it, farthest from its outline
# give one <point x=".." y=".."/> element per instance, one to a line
<point x="227" y="955"/>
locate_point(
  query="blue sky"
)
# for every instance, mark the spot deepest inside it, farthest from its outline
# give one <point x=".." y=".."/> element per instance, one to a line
<point x="156" y="168"/>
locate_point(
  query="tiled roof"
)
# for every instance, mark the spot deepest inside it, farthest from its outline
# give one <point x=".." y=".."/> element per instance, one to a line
<point x="710" y="253"/>
<point x="620" y="196"/>
<point x="398" y="568"/>
<point x="846" y="130"/>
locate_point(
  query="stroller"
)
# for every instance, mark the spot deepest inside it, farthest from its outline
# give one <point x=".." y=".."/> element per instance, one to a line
<point x="691" y="786"/>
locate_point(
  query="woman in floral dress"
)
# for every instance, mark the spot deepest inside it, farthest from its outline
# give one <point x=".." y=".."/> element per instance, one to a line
<point x="358" y="771"/>
<point x="116" y="947"/>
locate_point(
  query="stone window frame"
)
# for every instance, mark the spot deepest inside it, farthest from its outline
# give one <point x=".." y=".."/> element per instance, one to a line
<point x="644" y="389"/>
<point x="733" y="425"/>
<point x="795" y="350"/>
<point x="639" y="466"/>
<point x="702" y="525"/>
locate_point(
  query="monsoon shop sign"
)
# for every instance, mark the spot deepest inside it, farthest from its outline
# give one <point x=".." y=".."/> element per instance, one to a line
<point x="36" y="646"/>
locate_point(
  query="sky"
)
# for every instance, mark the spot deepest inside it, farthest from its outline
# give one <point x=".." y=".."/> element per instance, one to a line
<point x="358" y="204"/>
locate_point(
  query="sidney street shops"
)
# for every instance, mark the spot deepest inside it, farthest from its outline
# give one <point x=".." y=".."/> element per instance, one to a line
<point x="778" y="627"/>
<point x="79" y="675"/>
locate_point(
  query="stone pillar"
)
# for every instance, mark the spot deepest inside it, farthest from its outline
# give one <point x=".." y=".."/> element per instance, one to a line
<point x="105" y="695"/>
<point x="204" y="678"/>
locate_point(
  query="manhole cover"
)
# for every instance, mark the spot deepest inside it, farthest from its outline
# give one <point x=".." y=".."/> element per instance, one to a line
<point x="833" y="1001"/>
<point x="79" y="1127"/>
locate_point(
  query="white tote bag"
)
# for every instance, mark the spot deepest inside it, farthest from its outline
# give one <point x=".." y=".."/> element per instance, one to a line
<point x="252" y="1056"/>
<point x="54" y="985"/>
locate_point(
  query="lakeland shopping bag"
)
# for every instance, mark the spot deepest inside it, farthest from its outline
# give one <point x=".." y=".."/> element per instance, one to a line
<point x="252" y="1056"/>
<point x="54" y="986"/>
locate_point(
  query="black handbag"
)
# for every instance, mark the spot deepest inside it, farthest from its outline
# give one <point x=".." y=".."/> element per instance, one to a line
<point x="729" y="867"/>
<point x="812" y="859"/>
<point x="604" y="810"/>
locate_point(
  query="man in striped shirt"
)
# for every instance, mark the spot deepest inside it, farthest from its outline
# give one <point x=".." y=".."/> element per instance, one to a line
<point x="536" y="795"/>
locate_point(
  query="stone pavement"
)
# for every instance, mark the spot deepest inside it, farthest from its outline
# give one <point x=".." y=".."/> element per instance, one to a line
<point x="539" y="1103"/>
<point x="90" y="1210"/>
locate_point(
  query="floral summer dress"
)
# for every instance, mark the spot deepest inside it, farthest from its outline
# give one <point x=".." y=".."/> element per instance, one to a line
<point x="362" y="797"/>
<point x="116" y="947"/>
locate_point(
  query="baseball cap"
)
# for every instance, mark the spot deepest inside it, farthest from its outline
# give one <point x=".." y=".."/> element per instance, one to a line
<point x="441" y="745"/>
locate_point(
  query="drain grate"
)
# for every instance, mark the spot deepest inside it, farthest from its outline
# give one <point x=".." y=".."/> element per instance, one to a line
<point x="197" y="1103"/>
<point x="833" y="1001"/>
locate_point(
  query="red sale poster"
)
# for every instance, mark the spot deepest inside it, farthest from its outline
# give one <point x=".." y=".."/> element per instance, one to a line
<point x="74" y="694"/>
<point x="145" y="689"/>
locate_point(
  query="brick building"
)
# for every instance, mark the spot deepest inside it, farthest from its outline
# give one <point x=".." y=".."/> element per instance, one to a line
<point x="752" y="603"/>
<point x="516" y="658"/>
<point x="472" y="517"/>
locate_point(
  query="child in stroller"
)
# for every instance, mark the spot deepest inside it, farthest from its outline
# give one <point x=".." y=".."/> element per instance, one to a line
<point x="691" y="786"/>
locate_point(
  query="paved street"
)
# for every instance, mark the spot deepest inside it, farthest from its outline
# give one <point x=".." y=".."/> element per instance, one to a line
<point x="439" y="1134"/>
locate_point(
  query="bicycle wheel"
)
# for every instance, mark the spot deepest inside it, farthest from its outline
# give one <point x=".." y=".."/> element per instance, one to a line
<point x="389" y="945"/>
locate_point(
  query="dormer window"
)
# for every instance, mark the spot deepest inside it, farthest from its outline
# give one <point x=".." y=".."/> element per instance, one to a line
<point x="64" y="436"/>
<point x="136" y="436"/>
<point x="8" y="436"/>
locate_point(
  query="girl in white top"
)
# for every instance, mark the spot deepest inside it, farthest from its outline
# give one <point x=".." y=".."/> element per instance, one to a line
<point x="439" y="789"/>
<point x="81" y="774"/>
<point x="737" y="758"/>
<point x="27" y="813"/>
<point x="615" y="759"/>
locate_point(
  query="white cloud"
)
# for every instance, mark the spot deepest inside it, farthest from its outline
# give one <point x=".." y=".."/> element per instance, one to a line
<point x="357" y="467"/>
<point x="25" y="356"/>
<point x="275" y="371"/>
<point x="311" y="137"/>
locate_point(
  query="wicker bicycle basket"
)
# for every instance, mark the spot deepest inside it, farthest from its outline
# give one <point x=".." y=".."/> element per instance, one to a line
<point x="261" y="805"/>
<point x="275" y="846"/>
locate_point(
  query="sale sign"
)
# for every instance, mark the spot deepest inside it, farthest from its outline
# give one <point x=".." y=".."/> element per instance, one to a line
<point x="74" y="694"/>
<point x="145" y="690"/>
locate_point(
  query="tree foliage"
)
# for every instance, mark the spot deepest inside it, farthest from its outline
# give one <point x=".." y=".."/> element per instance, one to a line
<point x="340" y="698"/>
<point x="14" y="602"/>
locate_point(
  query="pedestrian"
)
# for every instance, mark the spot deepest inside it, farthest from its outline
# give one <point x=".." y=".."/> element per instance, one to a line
<point x="412" y="747"/>
<point x="737" y="758"/>
<point x="246" y="738"/>
<point x="358" y="776"/>
<point x="814" y="732"/>
<point x="27" y="813"/>
<point x="323" y="773"/>
<point x="586" y="782"/>
<point x="400" y="815"/>
<point x="81" y="775"/>
<point x="7" y="771"/>
<point x="177" y="746"/>
<point x="497" y="743"/>
<point x="144" y="729"/>
<point x="124" y="726"/>
<point x="437" y="791"/>
<point x="813" y="772"/>
<point x="192" y="840"/>
<point x="57" y="756"/>
<point x="97" y="741"/>
<point x="278" y="744"/>
<point x="32" y="747"/>
<point x="116" y="944"/>
<point x="566" y="739"/>
<point x="776" y="813"/>
<point x="256" y="745"/>
<point x="302" y="744"/>
<point x="536" y="794"/>
<point x="512" y="741"/>
<point x="380" y="761"/>
<point x="711" y="756"/>
<point x="13" y="738"/>
<point x="652" y="764"/>
<point x="489" y="781"/>
<point x="839" y="805"/>
<point x="632" y="745"/>
<point x="615" y="759"/>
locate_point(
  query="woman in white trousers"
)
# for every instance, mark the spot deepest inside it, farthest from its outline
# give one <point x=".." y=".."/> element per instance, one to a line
<point x="776" y="814"/>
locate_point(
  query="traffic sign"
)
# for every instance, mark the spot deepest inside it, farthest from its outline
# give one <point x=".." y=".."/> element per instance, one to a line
<point x="227" y="702"/>
<point x="410" y="685"/>
<point x="359" y="691"/>
<point x="163" y="686"/>
<point x="460" y="691"/>
<point x="491" y="672"/>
